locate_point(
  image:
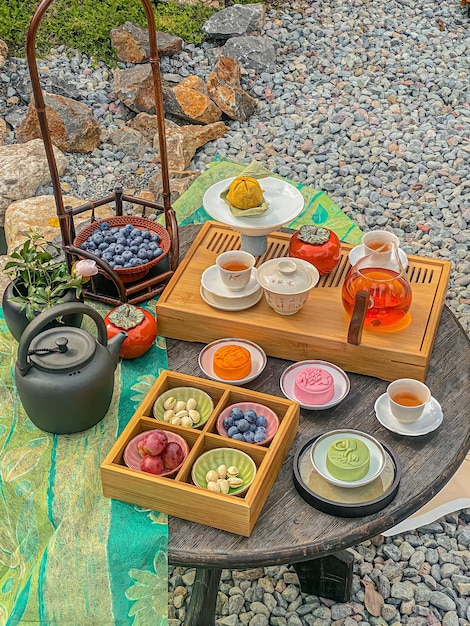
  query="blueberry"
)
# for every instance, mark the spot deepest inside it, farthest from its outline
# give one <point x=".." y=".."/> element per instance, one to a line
<point x="243" y="425"/>
<point x="236" y="413"/>
<point x="135" y="232"/>
<point x="97" y="238"/>
<point x="252" y="428"/>
<point x="261" y="421"/>
<point x="260" y="437"/>
<point x="250" y="417"/>
<point x="238" y="437"/>
<point x="158" y="252"/>
<point x="114" y="230"/>
<point x="91" y="246"/>
<point x="109" y="239"/>
<point x="104" y="226"/>
<point x="260" y="429"/>
<point x="149" y="254"/>
<point x="228" y="421"/>
<point x="145" y="234"/>
<point x="119" y="249"/>
<point x="134" y="249"/>
<point x="103" y="246"/>
<point x="233" y="430"/>
<point x="137" y="241"/>
<point x="118" y="260"/>
<point x="155" y="238"/>
<point x="249" y="437"/>
<point x="107" y="257"/>
<point x="142" y="254"/>
<point x="98" y="253"/>
<point x="135" y="261"/>
<point x="152" y="245"/>
<point x="126" y="255"/>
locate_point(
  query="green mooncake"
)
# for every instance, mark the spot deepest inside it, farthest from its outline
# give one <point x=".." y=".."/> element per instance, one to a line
<point x="348" y="459"/>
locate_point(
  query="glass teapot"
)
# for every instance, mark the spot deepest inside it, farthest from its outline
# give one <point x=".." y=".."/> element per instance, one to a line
<point x="376" y="292"/>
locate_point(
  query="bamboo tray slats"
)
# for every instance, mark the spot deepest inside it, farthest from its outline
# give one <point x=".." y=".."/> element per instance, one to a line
<point x="319" y="329"/>
<point x="177" y="495"/>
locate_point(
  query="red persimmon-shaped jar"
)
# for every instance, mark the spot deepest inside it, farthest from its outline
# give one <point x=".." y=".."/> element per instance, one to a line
<point x="319" y="246"/>
<point x="139" y="324"/>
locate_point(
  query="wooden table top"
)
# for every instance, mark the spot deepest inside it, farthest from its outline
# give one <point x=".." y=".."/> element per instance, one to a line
<point x="289" y="530"/>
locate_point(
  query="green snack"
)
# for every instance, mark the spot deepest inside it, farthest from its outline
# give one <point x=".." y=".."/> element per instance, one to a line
<point x="348" y="459"/>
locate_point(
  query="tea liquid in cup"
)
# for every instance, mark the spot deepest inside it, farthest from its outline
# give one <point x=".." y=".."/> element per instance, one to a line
<point x="408" y="398"/>
<point x="235" y="268"/>
<point x="375" y="239"/>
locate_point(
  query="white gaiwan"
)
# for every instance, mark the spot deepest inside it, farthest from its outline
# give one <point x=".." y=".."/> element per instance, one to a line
<point x="286" y="283"/>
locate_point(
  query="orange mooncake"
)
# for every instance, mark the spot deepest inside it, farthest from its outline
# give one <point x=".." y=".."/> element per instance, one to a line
<point x="232" y="362"/>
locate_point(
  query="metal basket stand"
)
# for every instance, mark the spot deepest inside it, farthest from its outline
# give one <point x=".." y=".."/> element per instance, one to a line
<point x="107" y="286"/>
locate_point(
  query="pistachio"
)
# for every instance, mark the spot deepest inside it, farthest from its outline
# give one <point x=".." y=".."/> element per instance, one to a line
<point x="212" y="486"/>
<point x="169" y="403"/>
<point x="224" y="485"/>
<point x="176" y="420"/>
<point x="222" y="471"/>
<point x="191" y="404"/>
<point x="186" y="421"/>
<point x="233" y="481"/>
<point x="180" y="406"/>
<point x="168" y="415"/>
<point x="232" y="471"/>
<point x="194" y="415"/>
<point x="181" y="414"/>
<point x="211" y="476"/>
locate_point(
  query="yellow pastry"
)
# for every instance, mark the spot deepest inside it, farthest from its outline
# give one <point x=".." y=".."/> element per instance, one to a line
<point x="245" y="193"/>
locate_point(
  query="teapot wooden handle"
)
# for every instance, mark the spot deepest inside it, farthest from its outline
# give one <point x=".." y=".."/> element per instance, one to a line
<point x="361" y="304"/>
<point x="44" y="318"/>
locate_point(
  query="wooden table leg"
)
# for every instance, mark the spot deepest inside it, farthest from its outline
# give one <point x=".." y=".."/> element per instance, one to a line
<point x="201" y="609"/>
<point x="328" y="576"/>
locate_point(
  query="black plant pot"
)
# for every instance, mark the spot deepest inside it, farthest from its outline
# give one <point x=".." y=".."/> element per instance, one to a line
<point x="17" y="321"/>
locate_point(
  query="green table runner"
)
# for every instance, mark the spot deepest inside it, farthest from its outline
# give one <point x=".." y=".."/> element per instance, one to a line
<point x="68" y="555"/>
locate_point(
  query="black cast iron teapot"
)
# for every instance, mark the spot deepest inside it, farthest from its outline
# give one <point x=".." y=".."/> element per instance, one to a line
<point x="64" y="376"/>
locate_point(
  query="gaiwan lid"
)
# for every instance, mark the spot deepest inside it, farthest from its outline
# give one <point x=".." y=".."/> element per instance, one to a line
<point x="287" y="275"/>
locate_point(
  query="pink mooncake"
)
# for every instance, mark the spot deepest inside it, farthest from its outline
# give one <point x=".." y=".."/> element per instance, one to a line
<point x="314" y="386"/>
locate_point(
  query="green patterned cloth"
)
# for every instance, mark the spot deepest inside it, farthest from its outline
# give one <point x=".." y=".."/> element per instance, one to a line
<point x="68" y="555"/>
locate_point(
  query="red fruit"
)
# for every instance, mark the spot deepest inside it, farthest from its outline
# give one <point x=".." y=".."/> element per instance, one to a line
<point x="152" y="464"/>
<point x="173" y="455"/>
<point x="153" y="443"/>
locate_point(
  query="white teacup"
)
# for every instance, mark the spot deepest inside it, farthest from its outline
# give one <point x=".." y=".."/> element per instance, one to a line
<point x="408" y="398"/>
<point x="375" y="239"/>
<point x="235" y="268"/>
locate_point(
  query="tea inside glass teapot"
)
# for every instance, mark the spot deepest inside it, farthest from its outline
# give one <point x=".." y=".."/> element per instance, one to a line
<point x="376" y="292"/>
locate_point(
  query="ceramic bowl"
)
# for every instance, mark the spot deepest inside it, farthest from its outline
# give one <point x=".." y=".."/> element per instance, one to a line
<point x="132" y="457"/>
<point x="212" y="459"/>
<point x="320" y="447"/>
<point x="287" y="283"/>
<point x="272" y="421"/>
<point x="205" y="405"/>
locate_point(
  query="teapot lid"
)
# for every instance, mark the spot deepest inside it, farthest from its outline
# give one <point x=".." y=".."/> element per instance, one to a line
<point x="287" y="275"/>
<point x="62" y="349"/>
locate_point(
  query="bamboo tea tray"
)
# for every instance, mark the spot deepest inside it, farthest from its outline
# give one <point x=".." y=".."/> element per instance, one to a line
<point x="177" y="495"/>
<point x="319" y="329"/>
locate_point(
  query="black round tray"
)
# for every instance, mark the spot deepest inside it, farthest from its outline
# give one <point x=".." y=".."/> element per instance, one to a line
<point x="341" y="501"/>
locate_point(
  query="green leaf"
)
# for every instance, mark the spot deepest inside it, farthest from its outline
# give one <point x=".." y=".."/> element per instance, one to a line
<point x="27" y="530"/>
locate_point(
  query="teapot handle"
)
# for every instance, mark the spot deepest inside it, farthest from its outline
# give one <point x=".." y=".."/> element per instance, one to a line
<point x="361" y="304"/>
<point x="44" y="318"/>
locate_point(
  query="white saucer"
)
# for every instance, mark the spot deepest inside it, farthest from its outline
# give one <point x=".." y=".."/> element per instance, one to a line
<point x="231" y="304"/>
<point x="212" y="282"/>
<point x="319" y="451"/>
<point x="430" y="419"/>
<point x="285" y="204"/>
<point x="358" y="252"/>
<point x="340" y="379"/>
<point x="258" y="359"/>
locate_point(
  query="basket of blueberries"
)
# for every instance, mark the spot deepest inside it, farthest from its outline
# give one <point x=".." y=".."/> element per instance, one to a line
<point x="131" y="246"/>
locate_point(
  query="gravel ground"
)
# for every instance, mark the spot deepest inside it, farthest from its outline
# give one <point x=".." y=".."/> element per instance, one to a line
<point x="370" y="103"/>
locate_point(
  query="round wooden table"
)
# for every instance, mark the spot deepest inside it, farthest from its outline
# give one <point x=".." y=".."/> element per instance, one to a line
<point x="288" y="529"/>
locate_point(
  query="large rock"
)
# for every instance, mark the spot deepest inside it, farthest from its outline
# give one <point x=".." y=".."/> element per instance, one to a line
<point x="3" y="53"/>
<point x="223" y="85"/>
<point x="3" y="131"/>
<point x="40" y="214"/>
<point x="235" y="21"/>
<point x="134" y="87"/>
<point x="131" y="43"/>
<point x="255" y="53"/>
<point x="129" y="141"/>
<point x="147" y="125"/>
<point x="179" y="183"/>
<point x="50" y="83"/>
<point x="190" y="101"/>
<point x="183" y="141"/>
<point x="71" y="125"/>
<point x="23" y="168"/>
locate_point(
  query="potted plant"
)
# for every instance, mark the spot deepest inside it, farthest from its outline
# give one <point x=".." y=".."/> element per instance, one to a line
<point x="39" y="280"/>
